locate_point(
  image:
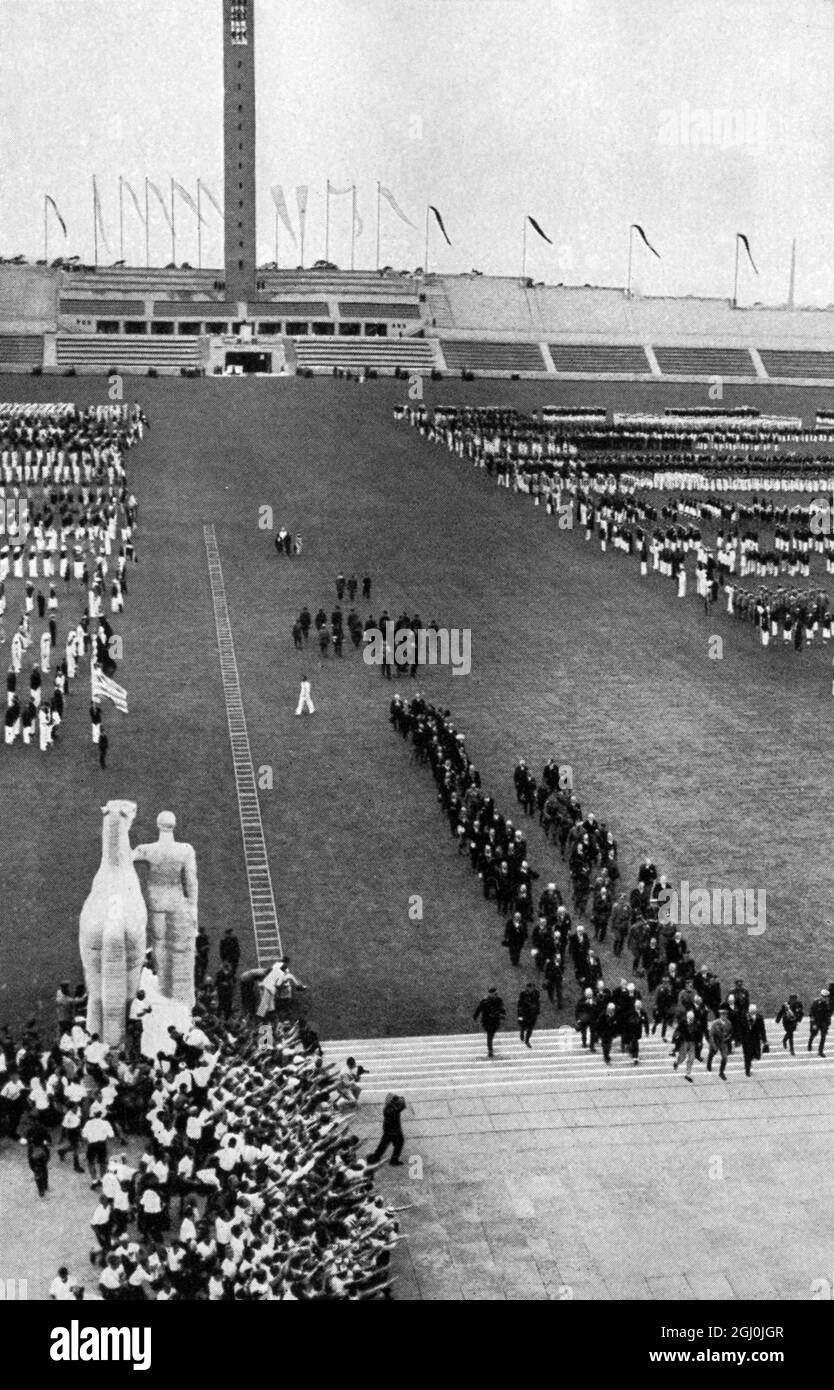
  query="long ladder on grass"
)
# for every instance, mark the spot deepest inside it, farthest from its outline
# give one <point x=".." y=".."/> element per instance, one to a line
<point x="264" y="918"/>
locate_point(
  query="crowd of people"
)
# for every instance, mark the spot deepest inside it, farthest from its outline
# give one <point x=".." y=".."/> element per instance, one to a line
<point x="552" y="461"/>
<point x="669" y="990"/>
<point x="222" y="1167"/>
<point x="69" y="539"/>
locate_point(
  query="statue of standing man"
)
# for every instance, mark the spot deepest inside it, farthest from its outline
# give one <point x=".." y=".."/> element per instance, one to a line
<point x="171" y="892"/>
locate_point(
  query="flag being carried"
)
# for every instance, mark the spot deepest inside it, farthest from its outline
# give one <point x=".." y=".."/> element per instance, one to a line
<point x="102" y="687"/>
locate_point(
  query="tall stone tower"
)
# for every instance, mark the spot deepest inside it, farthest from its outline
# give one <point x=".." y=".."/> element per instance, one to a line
<point x="239" y="147"/>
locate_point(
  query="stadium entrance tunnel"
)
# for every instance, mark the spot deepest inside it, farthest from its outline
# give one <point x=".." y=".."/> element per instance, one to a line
<point x="250" y="361"/>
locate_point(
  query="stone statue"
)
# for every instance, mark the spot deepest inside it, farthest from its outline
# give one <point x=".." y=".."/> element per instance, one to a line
<point x="171" y="890"/>
<point x="112" y="929"/>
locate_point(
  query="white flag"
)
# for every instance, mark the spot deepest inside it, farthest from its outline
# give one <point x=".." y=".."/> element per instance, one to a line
<point x="281" y="209"/>
<point x="389" y="198"/>
<point x="139" y="213"/>
<point x="301" y="199"/>
<point x="186" y="196"/>
<point x="357" y="223"/>
<point x="212" y="199"/>
<point x="162" y="203"/>
<point x="340" y="191"/>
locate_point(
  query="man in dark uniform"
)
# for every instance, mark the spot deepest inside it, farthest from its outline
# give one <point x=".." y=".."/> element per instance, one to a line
<point x="720" y="1034"/>
<point x="529" y="1007"/>
<point x="753" y="1038"/>
<point x="515" y="935"/>
<point x="230" y="949"/>
<point x="491" y="1012"/>
<point x="820" y="1019"/>
<point x="392" y="1132"/>
<point x="790" y="1016"/>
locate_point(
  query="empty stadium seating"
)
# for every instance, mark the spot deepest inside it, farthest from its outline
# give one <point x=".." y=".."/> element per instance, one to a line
<point x="369" y="310"/>
<point x="571" y="357"/>
<point x="21" y="350"/>
<point x="384" y="354"/>
<point x="477" y="356"/>
<point x="104" y="350"/>
<point x="785" y="363"/>
<point x="704" y="361"/>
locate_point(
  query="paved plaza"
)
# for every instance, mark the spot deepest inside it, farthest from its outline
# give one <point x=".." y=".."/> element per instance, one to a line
<point x="546" y="1175"/>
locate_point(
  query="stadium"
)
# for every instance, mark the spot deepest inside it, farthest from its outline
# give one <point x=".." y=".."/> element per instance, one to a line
<point x="524" y="463"/>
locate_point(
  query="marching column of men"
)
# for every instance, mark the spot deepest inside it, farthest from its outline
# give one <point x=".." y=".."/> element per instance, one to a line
<point x="688" y="999"/>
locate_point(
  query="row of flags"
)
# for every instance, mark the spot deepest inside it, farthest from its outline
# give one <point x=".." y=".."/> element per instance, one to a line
<point x="302" y="196"/>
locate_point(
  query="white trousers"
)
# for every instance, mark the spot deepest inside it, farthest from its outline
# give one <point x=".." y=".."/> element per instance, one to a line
<point x="304" y="701"/>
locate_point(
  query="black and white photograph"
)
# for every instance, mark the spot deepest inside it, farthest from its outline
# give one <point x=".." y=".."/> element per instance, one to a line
<point x="417" y="622"/>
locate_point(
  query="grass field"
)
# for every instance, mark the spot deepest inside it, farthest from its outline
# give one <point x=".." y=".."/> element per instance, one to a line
<point x="720" y="769"/>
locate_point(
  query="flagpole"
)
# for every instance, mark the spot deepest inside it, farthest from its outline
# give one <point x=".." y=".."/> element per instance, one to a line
<point x="630" y="246"/>
<point x="45" y="233"/>
<point x="524" y="252"/>
<point x="327" y="222"/>
<point x="276" y="238"/>
<point x="173" y="233"/>
<point x="147" y="229"/>
<point x="95" y="224"/>
<point x="353" y="226"/>
<point x="199" y="231"/>
<point x="377" y="223"/>
<point x="735" y="280"/>
<point x="121" y="220"/>
<point x="426" y="257"/>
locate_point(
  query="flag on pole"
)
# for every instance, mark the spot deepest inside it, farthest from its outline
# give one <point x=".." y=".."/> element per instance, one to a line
<point x="162" y="203"/>
<point x="54" y="207"/>
<point x="301" y="199"/>
<point x="139" y="213"/>
<point x="340" y="191"/>
<point x="536" y="228"/>
<point x="212" y="199"/>
<point x="100" y="222"/>
<point x="433" y="209"/>
<point x="637" y="228"/>
<point x="746" y="244"/>
<point x="389" y="198"/>
<point x="357" y="223"/>
<point x="281" y="208"/>
<point x="103" y="686"/>
<point x="187" y="198"/>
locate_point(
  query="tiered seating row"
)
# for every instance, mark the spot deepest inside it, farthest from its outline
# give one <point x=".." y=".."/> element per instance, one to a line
<point x="385" y="354"/>
<point x="695" y="361"/>
<point x="787" y="363"/>
<point x="581" y="358"/>
<point x="475" y="356"/>
<point x="18" y="349"/>
<point x="105" y="350"/>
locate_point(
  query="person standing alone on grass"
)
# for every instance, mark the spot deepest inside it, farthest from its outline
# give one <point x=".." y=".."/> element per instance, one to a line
<point x="491" y="1012"/>
<point x="304" y="699"/>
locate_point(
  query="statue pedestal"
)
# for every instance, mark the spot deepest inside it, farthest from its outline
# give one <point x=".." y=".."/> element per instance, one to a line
<point x="164" y="1014"/>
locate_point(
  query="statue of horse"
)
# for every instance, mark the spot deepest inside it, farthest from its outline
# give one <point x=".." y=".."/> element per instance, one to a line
<point x="113" y="929"/>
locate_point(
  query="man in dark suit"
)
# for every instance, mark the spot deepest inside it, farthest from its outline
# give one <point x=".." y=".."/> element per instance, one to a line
<point x="491" y="1012"/>
<point x="529" y="1007"/>
<point x="753" y="1038"/>
<point x="819" y="1016"/>
<point x="392" y="1132"/>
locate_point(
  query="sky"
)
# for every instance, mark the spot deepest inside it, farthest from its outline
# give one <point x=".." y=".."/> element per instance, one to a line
<point x="695" y="118"/>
